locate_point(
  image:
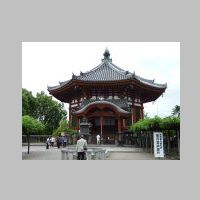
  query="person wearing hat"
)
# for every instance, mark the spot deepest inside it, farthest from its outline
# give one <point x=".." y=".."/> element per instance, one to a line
<point x="81" y="147"/>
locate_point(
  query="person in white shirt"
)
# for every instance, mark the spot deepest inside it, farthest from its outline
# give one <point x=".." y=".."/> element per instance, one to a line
<point x="98" y="139"/>
<point x="53" y="141"/>
<point x="81" y="147"/>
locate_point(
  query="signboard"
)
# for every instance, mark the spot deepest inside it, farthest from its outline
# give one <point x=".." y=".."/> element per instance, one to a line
<point x="158" y="144"/>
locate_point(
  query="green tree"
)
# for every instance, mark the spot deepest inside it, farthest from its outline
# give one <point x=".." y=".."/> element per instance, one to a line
<point x="49" y="112"/>
<point x="29" y="103"/>
<point x="170" y="123"/>
<point x="156" y="123"/>
<point x="31" y="126"/>
<point x="43" y="108"/>
<point x="176" y="111"/>
<point x="64" y="128"/>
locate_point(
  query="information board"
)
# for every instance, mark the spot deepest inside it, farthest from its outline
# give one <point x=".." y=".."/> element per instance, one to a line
<point x="158" y="144"/>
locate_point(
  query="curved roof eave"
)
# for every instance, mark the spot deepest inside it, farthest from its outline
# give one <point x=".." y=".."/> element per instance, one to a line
<point x="106" y="72"/>
<point x="64" y="84"/>
<point x="101" y="102"/>
<point x="150" y="82"/>
<point x="61" y="85"/>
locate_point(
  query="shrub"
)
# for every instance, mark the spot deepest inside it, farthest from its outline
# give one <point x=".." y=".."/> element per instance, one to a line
<point x="156" y="123"/>
<point x="32" y="126"/>
<point x="64" y="127"/>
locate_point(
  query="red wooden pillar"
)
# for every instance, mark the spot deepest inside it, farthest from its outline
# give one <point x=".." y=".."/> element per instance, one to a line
<point x="69" y="114"/>
<point x="123" y="124"/>
<point x="142" y="111"/>
<point x="101" y="125"/>
<point x="133" y="112"/>
<point x="133" y="115"/>
<point x="119" y="128"/>
<point x="78" y="124"/>
<point x="119" y="125"/>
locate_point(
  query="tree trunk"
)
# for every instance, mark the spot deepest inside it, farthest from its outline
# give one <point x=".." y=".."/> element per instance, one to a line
<point x="143" y="143"/>
<point x="28" y="140"/>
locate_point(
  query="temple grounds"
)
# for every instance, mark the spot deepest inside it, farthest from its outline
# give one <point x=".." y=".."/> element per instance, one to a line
<point x="113" y="153"/>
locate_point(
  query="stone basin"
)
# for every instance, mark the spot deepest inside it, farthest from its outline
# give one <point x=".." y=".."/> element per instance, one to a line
<point x="70" y="153"/>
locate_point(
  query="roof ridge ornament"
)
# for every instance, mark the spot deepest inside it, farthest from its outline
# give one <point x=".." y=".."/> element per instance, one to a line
<point x="106" y="55"/>
<point x="126" y="72"/>
<point x="73" y="76"/>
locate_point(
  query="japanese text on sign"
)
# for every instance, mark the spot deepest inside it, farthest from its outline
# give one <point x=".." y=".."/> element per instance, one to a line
<point x="158" y="144"/>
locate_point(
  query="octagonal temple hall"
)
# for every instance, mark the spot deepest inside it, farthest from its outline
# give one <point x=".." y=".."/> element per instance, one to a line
<point x="110" y="98"/>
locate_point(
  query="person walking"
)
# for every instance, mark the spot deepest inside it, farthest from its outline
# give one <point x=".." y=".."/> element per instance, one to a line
<point x="48" y="143"/>
<point x="81" y="147"/>
<point x="98" y="139"/>
<point x="58" y="142"/>
<point x="52" y="141"/>
<point x="64" y="141"/>
<point x="108" y="140"/>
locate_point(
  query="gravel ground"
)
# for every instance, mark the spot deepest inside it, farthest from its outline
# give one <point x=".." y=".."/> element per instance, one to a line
<point x="130" y="156"/>
<point x="117" y="153"/>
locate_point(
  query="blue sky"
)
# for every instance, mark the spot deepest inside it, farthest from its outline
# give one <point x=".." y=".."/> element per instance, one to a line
<point x="48" y="63"/>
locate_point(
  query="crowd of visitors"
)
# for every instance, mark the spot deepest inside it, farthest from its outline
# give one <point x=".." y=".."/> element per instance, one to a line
<point x="59" y="141"/>
<point x="81" y="145"/>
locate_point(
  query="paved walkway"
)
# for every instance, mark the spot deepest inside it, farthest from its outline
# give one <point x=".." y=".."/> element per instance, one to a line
<point x="114" y="153"/>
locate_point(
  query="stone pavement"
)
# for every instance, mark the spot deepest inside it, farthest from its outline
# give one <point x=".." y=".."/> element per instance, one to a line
<point x="112" y="153"/>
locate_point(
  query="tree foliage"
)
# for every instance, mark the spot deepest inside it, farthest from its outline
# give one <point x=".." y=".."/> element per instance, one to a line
<point x="176" y="111"/>
<point x="170" y="123"/>
<point x="32" y="126"/>
<point x="156" y="123"/>
<point x="64" y="128"/>
<point x="49" y="112"/>
<point x="29" y="103"/>
<point x="44" y="109"/>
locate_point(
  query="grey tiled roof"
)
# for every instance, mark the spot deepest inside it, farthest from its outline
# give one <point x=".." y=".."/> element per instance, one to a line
<point x="122" y="103"/>
<point x="149" y="82"/>
<point x="58" y="86"/>
<point x="119" y="109"/>
<point x="107" y="71"/>
<point x="53" y="87"/>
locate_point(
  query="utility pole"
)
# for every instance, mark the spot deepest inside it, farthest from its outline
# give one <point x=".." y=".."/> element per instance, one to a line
<point x="157" y="108"/>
